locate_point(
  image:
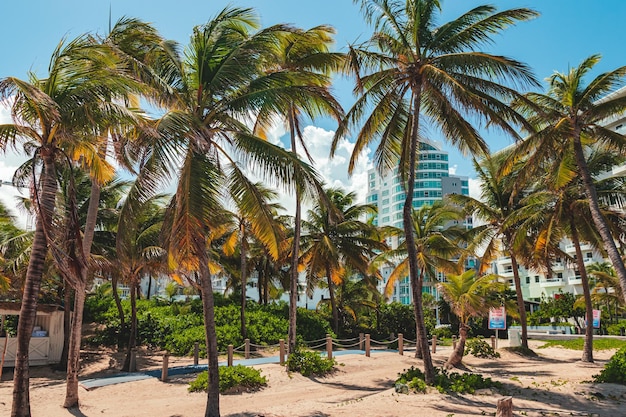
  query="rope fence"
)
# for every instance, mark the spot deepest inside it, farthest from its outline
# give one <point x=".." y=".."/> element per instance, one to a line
<point x="363" y="342"/>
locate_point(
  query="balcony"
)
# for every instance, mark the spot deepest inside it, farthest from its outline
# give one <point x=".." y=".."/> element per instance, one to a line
<point x="574" y="280"/>
<point x="552" y="282"/>
<point x="558" y="266"/>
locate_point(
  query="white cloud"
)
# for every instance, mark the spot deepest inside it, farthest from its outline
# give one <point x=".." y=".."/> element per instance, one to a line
<point x="474" y="188"/>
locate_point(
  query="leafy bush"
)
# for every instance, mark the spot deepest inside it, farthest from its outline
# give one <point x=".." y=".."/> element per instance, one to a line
<point x="442" y="331"/>
<point x="309" y="363"/>
<point x="615" y="370"/>
<point x="232" y="378"/>
<point x="446" y="382"/>
<point x="480" y="348"/>
<point x="616" y="329"/>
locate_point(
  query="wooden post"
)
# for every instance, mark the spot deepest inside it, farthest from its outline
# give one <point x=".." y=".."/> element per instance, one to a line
<point x="329" y="346"/>
<point x="247" y="349"/>
<point x="196" y="350"/>
<point x="361" y="341"/>
<point x="367" y="345"/>
<point x="434" y="344"/>
<point x="454" y="342"/>
<point x="166" y="359"/>
<point x="230" y="355"/>
<point x="281" y="355"/>
<point x="505" y="407"/>
<point x="400" y="343"/>
<point x="493" y="342"/>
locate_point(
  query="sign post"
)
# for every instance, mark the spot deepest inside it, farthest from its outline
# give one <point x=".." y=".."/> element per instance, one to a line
<point x="497" y="320"/>
<point x="596" y="319"/>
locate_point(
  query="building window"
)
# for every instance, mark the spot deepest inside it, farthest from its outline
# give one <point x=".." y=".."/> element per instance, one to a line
<point x="537" y="278"/>
<point x="589" y="255"/>
<point x="527" y="280"/>
<point x="559" y="275"/>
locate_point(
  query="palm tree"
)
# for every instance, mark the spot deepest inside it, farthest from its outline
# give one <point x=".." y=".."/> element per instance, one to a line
<point x="140" y="254"/>
<point x="252" y="220"/>
<point x="56" y="118"/>
<point x="567" y="123"/>
<point x="499" y="208"/>
<point x="335" y="240"/>
<point x="413" y="73"/>
<point x="469" y="296"/>
<point x="214" y="89"/>
<point x="606" y="290"/>
<point x="302" y="56"/>
<point x="439" y="246"/>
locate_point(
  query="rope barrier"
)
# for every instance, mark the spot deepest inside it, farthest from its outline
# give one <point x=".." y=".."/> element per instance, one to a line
<point x="318" y="346"/>
<point x="347" y="346"/>
<point x="346" y="340"/>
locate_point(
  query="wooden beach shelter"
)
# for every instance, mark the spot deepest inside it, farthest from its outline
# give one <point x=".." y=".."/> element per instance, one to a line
<point x="46" y="343"/>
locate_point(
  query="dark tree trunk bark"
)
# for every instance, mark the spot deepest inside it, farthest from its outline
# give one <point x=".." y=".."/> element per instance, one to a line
<point x="596" y="214"/>
<point x="213" y="391"/>
<point x="73" y="362"/>
<point x="132" y="339"/>
<point x="415" y="278"/>
<point x="456" y="357"/>
<point x="333" y="301"/>
<point x="67" y="325"/>
<point x="120" y="312"/>
<point x="295" y="250"/>
<point x="244" y="279"/>
<point x="32" y="285"/>
<point x="520" y="297"/>
<point x="580" y="263"/>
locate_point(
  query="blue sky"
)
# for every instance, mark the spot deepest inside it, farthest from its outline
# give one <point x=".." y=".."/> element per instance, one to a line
<point x="566" y="32"/>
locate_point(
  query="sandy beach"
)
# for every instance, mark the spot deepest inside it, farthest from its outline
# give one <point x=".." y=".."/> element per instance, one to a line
<point x="554" y="384"/>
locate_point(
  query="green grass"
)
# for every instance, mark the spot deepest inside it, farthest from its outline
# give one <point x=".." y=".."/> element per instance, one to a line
<point x="577" y="344"/>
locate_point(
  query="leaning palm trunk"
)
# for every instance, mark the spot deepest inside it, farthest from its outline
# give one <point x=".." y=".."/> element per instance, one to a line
<point x="596" y="214"/>
<point x="580" y="262"/>
<point x="32" y="285"/>
<point x="333" y="301"/>
<point x="295" y="250"/>
<point x="73" y="360"/>
<point x="67" y="325"/>
<point x="213" y="389"/>
<point x="132" y="339"/>
<point x="80" y="287"/>
<point x="244" y="280"/>
<point x="416" y="287"/>
<point x="456" y="357"/>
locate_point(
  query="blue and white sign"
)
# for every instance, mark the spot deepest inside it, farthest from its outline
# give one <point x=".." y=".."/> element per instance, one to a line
<point x="596" y="319"/>
<point x="497" y="318"/>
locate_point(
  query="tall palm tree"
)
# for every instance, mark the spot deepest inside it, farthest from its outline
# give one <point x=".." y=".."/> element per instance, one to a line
<point x="606" y="290"/>
<point x="439" y="246"/>
<point x="499" y="207"/>
<point x="333" y="244"/>
<point x="413" y="73"/>
<point x="214" y="89"/>
<point x="56" y="117"/>
<point x="469" y="296"/>
<point x="568" y="121"/>
<point x="304" y="57"/>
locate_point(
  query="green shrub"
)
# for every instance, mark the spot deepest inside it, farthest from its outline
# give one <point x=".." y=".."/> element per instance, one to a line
<point x="615" y="369"/>
<point x="445" y="382"/>
<point x="480" y="348"/>
<point x="442" y="332"/>
<point x="309" y="363"/>
<point x="232" y="378"/>
<point x="616" y="329"/>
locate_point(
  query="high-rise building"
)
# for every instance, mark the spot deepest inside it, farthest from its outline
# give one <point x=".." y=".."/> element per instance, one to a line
<point x="432" y="182"/>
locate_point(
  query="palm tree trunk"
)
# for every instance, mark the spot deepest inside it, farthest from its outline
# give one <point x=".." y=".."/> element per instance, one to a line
<point x="596" y="214"/>
<point x="429" y="370"/>
<point x="73" y="362"/>
<point x="73" y="366"/>
<point x="456" y="357"/>
<point x="206" y="288"/>
<point x="580" y="262"/>
<point x="132" y="339"/>
<point x="67" y="325"/>
<point x="295" y="250"/>
<point x="333" y="301"/>
<point x="32" y="285"/>
<point x="120" y="312"/>
<point x="520" y="298"/>
<point x="244" y="279"/>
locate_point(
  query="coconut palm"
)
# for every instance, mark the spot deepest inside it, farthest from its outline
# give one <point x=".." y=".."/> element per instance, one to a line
<point x="469" y="296"/>
<point x="439" y="242"/>
<point x="568" y="121"/>
<point x="413" y="73"/>
<point x="304" y="57"/>
<point x="58" y="118"/>
<point x="333" y="244"/>
<point x="499" y="208"/>
<point x="606" y="290"/>
<point x="214" y="89"/>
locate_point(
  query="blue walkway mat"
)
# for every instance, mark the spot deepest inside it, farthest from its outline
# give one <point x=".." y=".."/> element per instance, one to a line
<point x="120" y="378"/>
